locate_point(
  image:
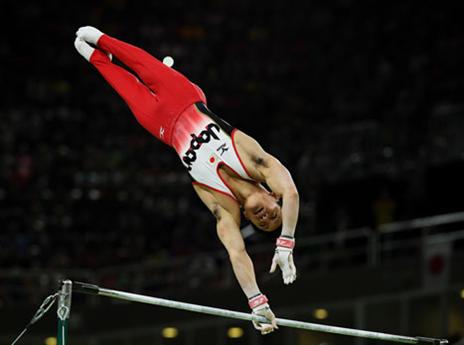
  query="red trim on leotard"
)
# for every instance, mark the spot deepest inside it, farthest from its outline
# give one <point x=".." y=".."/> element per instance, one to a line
<point x="236" y="153"/>
<point x="231" y="195"/>
<point x="220" y="177"/>
<point x="216" y="190"/>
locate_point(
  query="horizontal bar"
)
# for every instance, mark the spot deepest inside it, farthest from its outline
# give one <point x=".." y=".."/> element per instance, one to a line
<point x="93" y="289"/>
<point x="89" y="289"/>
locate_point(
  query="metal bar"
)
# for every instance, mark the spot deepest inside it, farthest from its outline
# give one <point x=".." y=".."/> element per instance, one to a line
<point x="93" y="289"/>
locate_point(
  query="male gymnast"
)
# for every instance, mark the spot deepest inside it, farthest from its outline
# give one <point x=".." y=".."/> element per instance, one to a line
<point x="226" y="165"/>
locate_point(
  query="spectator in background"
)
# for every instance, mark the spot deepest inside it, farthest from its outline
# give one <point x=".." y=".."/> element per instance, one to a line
<point x="355" y="77"/>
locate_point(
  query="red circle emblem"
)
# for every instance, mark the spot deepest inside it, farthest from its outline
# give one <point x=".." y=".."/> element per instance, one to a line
<point x="212" y="159"/>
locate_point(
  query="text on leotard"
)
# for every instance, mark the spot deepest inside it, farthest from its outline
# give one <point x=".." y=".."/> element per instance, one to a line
<point x="204" y="137"/>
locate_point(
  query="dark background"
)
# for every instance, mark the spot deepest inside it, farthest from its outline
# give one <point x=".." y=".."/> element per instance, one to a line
<point x="361" y="101"/>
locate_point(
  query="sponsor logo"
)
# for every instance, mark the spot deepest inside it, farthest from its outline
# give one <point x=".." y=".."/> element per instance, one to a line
<point x="223" y="148"/>
<point x="204" y="137"/>
<point x="161" y="132"/>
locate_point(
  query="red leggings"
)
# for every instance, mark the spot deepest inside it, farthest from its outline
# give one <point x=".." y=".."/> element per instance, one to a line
<point x="157" y="96"/>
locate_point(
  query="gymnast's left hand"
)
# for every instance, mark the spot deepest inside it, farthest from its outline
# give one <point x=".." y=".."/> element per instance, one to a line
<point x="283" y="258"/>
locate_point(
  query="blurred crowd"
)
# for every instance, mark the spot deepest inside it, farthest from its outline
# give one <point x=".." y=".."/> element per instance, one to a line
<point x="362" y="102"/>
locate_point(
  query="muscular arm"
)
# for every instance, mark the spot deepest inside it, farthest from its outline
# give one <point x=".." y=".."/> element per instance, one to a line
<point x="269" y="169"/>
<point x="227" y="214"/>
<point x="230" y="236"/>
<point x="228" y="230"/>
<point x="280" y="181"/>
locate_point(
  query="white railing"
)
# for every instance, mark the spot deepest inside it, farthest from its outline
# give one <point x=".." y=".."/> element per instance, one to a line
<point x="362" y="246"/>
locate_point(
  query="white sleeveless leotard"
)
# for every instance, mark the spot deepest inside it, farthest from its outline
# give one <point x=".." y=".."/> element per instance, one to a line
<point x="204" y="142"/>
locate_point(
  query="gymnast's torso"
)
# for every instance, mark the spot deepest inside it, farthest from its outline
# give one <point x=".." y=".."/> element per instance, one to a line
<point x="205" y="143"/>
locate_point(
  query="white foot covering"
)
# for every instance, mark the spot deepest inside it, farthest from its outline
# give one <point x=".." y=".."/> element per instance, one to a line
<point x="89" y="34"/>
<point x="83" y="48"/>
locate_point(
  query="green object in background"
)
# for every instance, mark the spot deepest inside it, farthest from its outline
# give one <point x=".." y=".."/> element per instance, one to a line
<point x="63" y="311"/>
<point x="62" y="336"/>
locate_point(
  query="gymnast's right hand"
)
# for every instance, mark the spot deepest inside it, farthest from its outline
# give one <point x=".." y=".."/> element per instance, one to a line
<point x="260" y="307"/>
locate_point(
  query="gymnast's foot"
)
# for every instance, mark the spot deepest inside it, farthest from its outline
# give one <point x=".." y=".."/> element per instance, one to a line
<point x="86" y="50"/>
<point x="83" y="48"/>
<point x="89" y="34"/>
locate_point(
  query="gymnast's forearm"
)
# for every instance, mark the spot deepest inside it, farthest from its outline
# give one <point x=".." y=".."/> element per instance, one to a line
<point x="244" y="272"/>
<point x="290" y="210"/>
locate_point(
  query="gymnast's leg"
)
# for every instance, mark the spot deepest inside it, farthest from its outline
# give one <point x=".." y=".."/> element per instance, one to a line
<point x="157" y="76"/>
<point x="140" y="99"/>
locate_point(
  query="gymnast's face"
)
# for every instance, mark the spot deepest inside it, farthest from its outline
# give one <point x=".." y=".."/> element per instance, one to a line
<point x="262" y="209"/>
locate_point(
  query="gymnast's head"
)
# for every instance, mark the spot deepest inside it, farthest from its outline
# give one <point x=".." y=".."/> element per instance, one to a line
<point x="263" y="210"/>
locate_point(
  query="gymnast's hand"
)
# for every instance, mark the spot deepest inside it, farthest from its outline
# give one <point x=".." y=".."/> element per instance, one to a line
<point x="283" y="258"/>
<point x="260" y="307"/>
